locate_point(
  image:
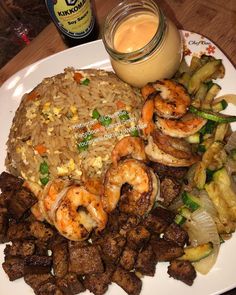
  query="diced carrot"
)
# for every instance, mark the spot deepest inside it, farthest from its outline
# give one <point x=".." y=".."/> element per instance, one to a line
<point x="97" y="126"/>
<point x="32" y="95"/>
<point x="77" y="77"/>
<point x="41" y="149"/>
<point x="120" y="104"/>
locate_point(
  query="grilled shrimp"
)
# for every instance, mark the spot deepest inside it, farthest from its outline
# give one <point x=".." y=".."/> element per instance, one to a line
<point x="169" y="151"/>
<point x="128" y="146"/>
<point x="51" y="196"/>
<point x="171" y="100"/>
<point x="78" y="213"/>
<point x="147" y="116"/>
<point x="144" y="187"/>
<point x="186" y="126"/>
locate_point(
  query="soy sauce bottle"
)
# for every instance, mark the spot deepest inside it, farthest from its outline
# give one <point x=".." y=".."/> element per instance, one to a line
<point x="74" y="19"/>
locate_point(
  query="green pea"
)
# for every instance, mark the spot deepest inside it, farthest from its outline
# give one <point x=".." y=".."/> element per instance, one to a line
<point x="95" y="114"/>
<point x="44" y="180"/>
<point x="124" y="116"/>
<point x="44" y="169"/>
<point x="82" y="146"/>
<point x="105" y="120"/>
<point x="85" y="82"/>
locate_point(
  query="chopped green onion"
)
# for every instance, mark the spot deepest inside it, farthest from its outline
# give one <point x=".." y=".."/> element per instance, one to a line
<point x="134" y="133"/>
<point x="85" y="82"/>
<point x="82" y="146"/>
<point x="88" y="137"/>
<point x="43" y="169"/>
<point x="124" y="116"/>
<point x="44" y="180"/>
<point x="96" y="114"/>
<point x="105" y="120"/>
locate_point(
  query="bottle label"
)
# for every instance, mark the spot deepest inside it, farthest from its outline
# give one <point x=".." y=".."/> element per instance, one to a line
<point x="74" y="18"/>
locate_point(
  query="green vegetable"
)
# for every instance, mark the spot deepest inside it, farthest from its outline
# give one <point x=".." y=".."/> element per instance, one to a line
<point x="184" y="211"/>
<point x="179" y="219"/>
<point x="134" y="133"/>
<point x="219" y="106"/>
<point x="44" y="180"/>
<point x="85" y="82"/>
<point x="105" y="120"/>
<point x="201" y="148"/>
<point x="190" y="201"/>
<point x="220" y="118"/>
<point x="88" y="137"/>
<point x="43" y="168"/>
<point x="209" y="175"/>
<point x="208" y="128"/>
<point x="95" y="114"/>
<point x="83" y="145"/>
<point x="197" y="253"/>
<point x="195" y="138"/>
<point x="124" y="116"/>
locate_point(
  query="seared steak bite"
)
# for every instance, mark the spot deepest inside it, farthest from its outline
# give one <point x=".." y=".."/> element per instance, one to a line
<point x="13" y="267"/>
<point x="60" y="257"/>
<point x="128" y="258"/>
<point x="177" y="234"/>
<point x="146" y="262"/>
<point x="70" y="284"/>
<point x="137" y="237"/>
<point x="183" y="271"/>
<point x="128" y="281"/>
<point x="112" y="246"/>
<point x="22" y="200"/>
<point x="36" y="280"/>
<point x="3" y="225"/>
<point x="85" y="260"/>
<point x="19" y="231"/>
<point x="169" y="190"/>
<point x="37" y="264"/>
<point x="98" y="283"/>
<point x="163" y="170"/>
<point x="165" y="250"/>
<point x="40" y="230"/>
<point x="9" y="182"/>
<point x="20" y="248"/>
<point x="131" y="222"/>
<point x="49" y="288"/>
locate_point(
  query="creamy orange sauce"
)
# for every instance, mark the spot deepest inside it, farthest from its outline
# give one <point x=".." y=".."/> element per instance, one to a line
<point x="135" y="32"/>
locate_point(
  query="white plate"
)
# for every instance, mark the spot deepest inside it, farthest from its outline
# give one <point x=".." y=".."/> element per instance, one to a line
<point x="93" y="55"/>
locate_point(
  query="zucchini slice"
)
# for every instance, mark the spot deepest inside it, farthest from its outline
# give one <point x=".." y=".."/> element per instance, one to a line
<point x="216" y="117"/>
<point x="190" y="201"/>
<point x="194" y="254"/>
<point x="219" y="106"/>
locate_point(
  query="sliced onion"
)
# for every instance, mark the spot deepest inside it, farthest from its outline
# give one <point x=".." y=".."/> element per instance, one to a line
<point x="231" y="144"/>
<point x="202" y="229"/>
<point x="207" y="204"/>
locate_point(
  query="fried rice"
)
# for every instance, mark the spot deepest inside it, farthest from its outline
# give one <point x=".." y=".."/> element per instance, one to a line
<point x="67" y="127"/>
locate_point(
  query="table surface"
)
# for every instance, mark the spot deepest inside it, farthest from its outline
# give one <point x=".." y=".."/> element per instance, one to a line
<point x="215" y="19"/>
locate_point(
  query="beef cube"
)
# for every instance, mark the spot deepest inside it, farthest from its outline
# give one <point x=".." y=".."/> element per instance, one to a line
<point x="60" y="258"/>
<point x="14" y="267"/>
<point x="5" y="198"/>
<point x="36" y="280"/>
<point x="9" y="182"/>
<point x="42" y="247"/>
<point x="177" y="234"/>
<point x="131" y="222"/>
<point x="183" y="271"/>
<point x="146" y="262"/>
<point x="98" y="283"/>
<point x="137" y="237"/>
<point x="169" y="190"/>
<point x="158" y="220"/>
<point x="3" y="225"/>
<point x="128" y="281"/>
<point x="19" y="231"/>
<point x="128" y="258"/>
<point x="40" y="230"/>
<point x="20" y="248"/>
<point x="70" y="284"/>
<point x="165" y="250"/>
<point x="36" y="264"/>
<point x="112" y="246"/>
<point x="115" y="221"/>
<point x="85" y="260"/>
<point x="163" y="170"/>
<point x="21" y="202"/>
<point x="48" y="289"/>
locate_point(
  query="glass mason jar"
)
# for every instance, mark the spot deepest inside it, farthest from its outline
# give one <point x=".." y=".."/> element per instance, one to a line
<point x="158" y="59"/>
